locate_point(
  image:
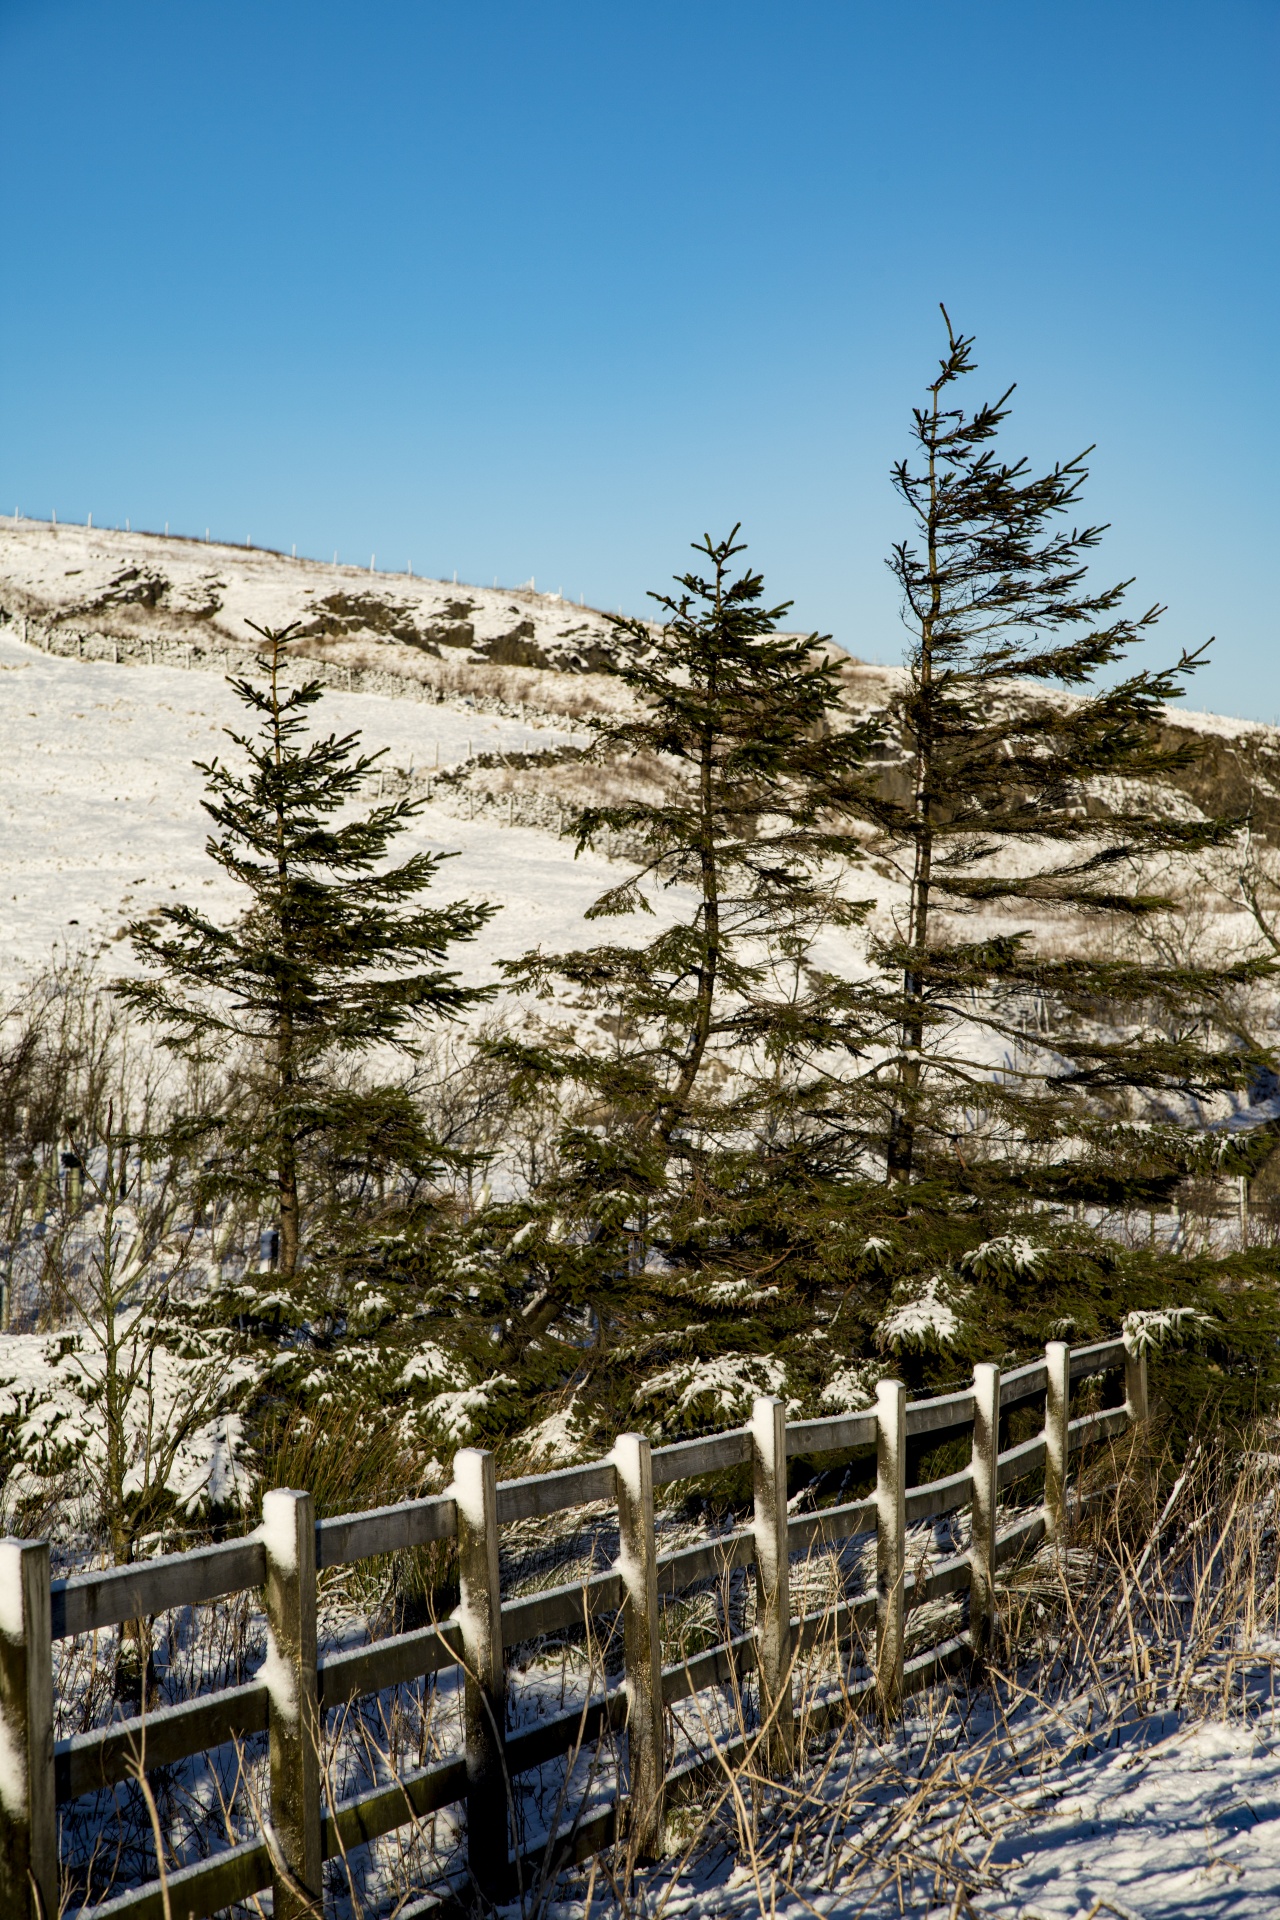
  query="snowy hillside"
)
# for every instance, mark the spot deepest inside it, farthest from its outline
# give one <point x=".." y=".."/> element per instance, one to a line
<point x="100" y="816"/>
<point x="114" y="649"/>
<point x="90" y="581"/>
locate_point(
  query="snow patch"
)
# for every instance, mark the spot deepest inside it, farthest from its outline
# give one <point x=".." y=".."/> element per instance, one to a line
<point x="851" y="1389"/>
<point x="13" y="1770"/>
<point x="279" y="1529"/>
<point x="11" y="1590"/>
<point x="554" y="1441"/>
<point x="429" y="1363"/>
<point x="728" y="1384"/>
<point x="277" y="1675"/>
<point x="925" y="1318"/>
<point x="1144" y="1330"/>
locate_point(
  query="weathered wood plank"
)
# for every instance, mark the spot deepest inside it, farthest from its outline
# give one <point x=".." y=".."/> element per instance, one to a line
<point x="835" y="1622"/>
<point x="409" y="1523"/>
<point x="773" y="1581"/>
<point x="540" y="1493"/>
<point x="918" y="1672"/>
<point x="367" y="1816"/>
<point x="1057" y="1416"/>
<point x="193" y="1892"/>
<point x="838" y="1434"/>
<point x="379" y="1810"/>
<point x="1023" y="1383"/>
<point x="714" y="1668"/>
<point x="388" y="1663"/>
<point x="705" y="1560"/>
<point x="830" y="1525"/>
<point x="947" y="1576"/>
<point x="88" y="1761"/>
<point x="924" y="1668"/>
<point x="549" y="1854"/>
<point x="1135" y="1386"/>
<point x="28" y="1807"/>
<point x="1096" y="1426"/>
<point x="641" y="1643"/>
<point x="982" y="1510"/>
<point x="941" y="1415"/>
<point x="88" y="1601"/>
<point x="1018" y="1462"/>
<point x="293" y="1721"/>
<point x="939" y="1496"/>
<point x="694" y="1775"/>
<point x="891" y="1530"/>
<point x="559" y="1607"/>
<point x="535" y="1745"/>
<point x="1021" y="1537"/>
<point x="484" y="1691"/>
<point x="689" y="1458"/>
<point x="1105" y="1357"/>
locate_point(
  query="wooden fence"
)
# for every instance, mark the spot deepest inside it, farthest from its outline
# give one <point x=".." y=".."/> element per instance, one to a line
<point x="296" y="1690"/>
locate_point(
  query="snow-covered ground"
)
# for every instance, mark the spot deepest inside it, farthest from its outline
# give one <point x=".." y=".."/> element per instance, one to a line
<point x="1166" y="1824"/>
<point x="1189" y="1824"/>
<point x="100" y="816"/>
<point x="96" y="579"/>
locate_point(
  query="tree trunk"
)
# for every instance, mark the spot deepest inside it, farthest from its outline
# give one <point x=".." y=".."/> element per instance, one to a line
<point x="901" y="1145"/>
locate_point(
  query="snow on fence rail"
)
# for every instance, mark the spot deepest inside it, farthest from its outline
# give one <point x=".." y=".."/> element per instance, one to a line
<point x="297" y="1689"/>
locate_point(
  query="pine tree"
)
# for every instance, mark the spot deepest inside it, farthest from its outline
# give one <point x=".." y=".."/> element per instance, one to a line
<point x="332" y="957"/>
<point x="704" y="1079"/>
<point x="1031" y="789"/>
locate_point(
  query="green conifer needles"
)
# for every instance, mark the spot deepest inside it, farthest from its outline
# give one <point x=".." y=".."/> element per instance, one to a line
<point x="702" y="1044"/>
<point x="1025" y="786"/>
<point x="333" y="954"/>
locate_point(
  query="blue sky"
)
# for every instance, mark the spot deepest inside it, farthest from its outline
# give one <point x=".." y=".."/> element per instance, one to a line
<point x="546" y="290"/>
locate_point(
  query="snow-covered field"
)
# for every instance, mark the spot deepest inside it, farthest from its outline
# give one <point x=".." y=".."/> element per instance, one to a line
<point x="100" y="816"/>
<point x="105" y="580"/>
<point x="1170" y="1821"/>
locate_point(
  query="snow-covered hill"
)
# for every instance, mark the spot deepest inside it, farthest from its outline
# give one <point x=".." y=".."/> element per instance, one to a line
<point x="114" y="651"/>
<point x="100" y="816"/>
<point x="90" y="582"/>
<point x="114" y="648"/>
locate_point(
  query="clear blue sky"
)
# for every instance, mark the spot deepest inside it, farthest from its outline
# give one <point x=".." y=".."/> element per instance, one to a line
<point x="547" y="289"/>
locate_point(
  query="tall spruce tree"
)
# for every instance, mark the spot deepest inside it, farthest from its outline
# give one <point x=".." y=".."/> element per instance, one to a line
<point x="1031" y="790"/>
<point x="705" y="1084"/>
<point x="332" y="957"/>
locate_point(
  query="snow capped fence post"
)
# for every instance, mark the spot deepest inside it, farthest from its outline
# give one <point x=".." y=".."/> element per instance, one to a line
<point x="28" y="1818"/>
<point x="73" y="1169"/>
<point x="638" y="1565"/>
<point x="982" y="1511"/>
<point x="1057" y="1438"/>
<point x="475" y="1490"/>
<point x="773" y="1578"/>
<point x="891" y="1542"/>
<point x="289" y="1536"/>
<point x="1135" y="1382"/>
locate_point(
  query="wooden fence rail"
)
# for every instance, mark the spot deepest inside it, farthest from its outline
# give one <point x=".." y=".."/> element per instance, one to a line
<point x="297" y="1689"/>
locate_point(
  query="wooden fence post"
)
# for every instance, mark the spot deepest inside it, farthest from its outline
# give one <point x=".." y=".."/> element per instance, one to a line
<point x="891" y="1542"/>
<point x="773" y="1579"/>
<point x="982" y="1511"/>
<point x="1135" y="1385"/>
<point x="289" y="1536"/>
<point x="28" y="1813"/>
<point x="1057" y="1439"/>
<point x="638" y="1565"/>
<point x="480" y="1617"/>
